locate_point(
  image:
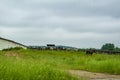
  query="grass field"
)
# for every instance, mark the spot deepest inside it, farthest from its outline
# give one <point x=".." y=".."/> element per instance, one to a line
<point x="53" y="65"/>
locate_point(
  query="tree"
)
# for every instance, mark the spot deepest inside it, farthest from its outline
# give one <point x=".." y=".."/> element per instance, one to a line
<point x="117" y="48"/>
<point x="108" y="46"/>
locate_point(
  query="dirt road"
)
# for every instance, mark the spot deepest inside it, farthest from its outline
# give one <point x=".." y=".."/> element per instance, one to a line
<point x="94" y="76"/>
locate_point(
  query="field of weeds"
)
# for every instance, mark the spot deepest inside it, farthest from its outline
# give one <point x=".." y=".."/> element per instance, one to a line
<point x="53" y="65"/>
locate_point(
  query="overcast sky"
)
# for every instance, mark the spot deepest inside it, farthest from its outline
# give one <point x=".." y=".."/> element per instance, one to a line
<point x="77" y="23"/>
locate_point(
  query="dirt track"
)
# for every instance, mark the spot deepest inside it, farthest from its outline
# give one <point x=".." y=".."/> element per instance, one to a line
<point x="94" y="76"/>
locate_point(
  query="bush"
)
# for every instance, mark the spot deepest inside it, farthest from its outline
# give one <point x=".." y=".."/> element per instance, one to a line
<point x="10" y="49"/>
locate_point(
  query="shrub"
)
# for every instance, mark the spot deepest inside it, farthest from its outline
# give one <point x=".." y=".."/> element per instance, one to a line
<point x="10" y="49"/>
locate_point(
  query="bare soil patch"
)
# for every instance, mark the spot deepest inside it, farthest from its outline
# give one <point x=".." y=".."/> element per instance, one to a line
<point x="12" y="54"/>
<point x="94" y="76"/>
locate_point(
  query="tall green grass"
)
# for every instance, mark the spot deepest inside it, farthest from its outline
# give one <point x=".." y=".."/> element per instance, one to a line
<point x="53" y="65"/>
<point x="12" y="69"/>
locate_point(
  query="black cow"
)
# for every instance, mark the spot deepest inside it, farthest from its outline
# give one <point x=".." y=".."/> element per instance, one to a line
<point x="90" y="51"/>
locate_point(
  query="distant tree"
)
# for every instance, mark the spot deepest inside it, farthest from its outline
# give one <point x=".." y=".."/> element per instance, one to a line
<point x="117" y="48"/>
<point x="108" y="46"/>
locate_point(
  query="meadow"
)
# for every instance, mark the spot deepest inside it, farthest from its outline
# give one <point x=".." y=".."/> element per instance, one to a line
<point x="53" y="65"/>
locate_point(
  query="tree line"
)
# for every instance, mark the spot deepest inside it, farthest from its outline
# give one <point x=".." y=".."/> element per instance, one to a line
<point x="109" y="46"/>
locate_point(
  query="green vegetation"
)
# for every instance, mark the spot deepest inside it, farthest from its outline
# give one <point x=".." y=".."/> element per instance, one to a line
<point x="53" y="65"/>
<point x="110" y="46"/>
<point x="30" y="65"/>
<point x="15" y="48"/>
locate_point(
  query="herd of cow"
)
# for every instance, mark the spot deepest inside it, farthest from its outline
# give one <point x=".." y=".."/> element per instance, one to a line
<point x="91" y="51"/>
<point x="88" y="51"/>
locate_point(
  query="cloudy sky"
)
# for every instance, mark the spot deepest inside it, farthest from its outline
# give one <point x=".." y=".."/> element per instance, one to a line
<point x="77" y="23"/>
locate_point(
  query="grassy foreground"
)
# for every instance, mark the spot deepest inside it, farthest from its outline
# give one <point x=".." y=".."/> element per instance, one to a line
<point x="53" y="65"/>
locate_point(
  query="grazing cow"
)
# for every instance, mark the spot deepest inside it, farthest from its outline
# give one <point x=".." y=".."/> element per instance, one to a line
<point x="90" y="51"/>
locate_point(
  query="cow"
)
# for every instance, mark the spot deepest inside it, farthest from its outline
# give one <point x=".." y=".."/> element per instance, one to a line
<point x="90" y="51"/>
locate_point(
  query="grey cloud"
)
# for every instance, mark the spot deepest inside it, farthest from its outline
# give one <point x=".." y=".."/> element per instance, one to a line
<point x="79" y="7"/>
<point x="73" y="20"/>
<point x="25" y="11"/>
<point x="38" y="36"/>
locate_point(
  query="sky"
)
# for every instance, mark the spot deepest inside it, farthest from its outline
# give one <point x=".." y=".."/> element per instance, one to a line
<point x="76" y="23"/>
